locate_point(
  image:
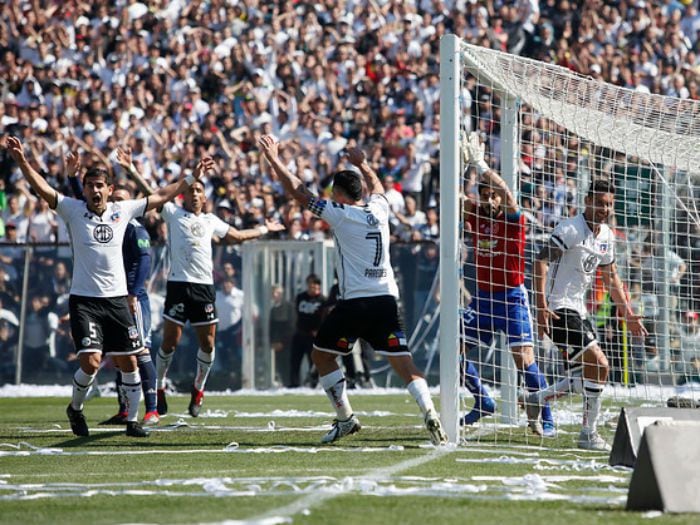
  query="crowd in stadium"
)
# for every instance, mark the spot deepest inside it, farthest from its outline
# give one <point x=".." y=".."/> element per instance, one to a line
<point x="177" y="80"/>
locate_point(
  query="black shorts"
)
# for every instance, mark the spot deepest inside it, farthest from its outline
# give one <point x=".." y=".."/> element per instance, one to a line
<point x="572" y="334"/>
<point x="191" y="302"/>
<point x="374" y="319"/>
<point x="103" y="324"/>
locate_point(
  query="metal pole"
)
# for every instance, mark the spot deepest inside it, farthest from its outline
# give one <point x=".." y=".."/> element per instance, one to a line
<point x="450" y="81"/>
<point x="28" y="253"/>
<point x="509" y="155"/>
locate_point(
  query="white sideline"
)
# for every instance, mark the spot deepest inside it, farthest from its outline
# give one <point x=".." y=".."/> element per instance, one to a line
<point x="381" y="474"/>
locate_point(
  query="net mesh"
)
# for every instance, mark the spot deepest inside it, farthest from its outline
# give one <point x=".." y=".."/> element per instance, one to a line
<point x="572" y="130"/>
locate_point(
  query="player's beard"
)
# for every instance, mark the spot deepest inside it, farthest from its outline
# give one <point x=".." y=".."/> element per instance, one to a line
<point x="489" y="210"/>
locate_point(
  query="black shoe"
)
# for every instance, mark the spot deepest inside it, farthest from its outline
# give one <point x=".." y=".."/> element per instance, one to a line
<point x="161" y="402"/>
<point x="134" y="429"/>
<point x="117" y="419"/>
<point x="196" y="400"/>
<point x="77" y="421"/>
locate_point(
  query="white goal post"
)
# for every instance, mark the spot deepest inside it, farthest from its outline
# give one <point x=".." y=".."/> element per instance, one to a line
<point x="550" y="132"/>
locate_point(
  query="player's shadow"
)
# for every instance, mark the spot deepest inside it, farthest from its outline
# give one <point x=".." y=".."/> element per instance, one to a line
<point x="82" y="441"/>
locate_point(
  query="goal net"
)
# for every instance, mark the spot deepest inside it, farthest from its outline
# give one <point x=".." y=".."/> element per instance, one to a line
<point x="550" y="132"/>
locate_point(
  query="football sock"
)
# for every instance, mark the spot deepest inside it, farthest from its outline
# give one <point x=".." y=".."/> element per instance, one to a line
<point x="418" y="388"/>
<point x="163" y="361"/>
<point x="131" y="383"/>
<point x="473" y="383"/>
<point x="563" y="387"/>
<point x="148" y="381"/>
<point x="535" y="380"/>
<point x="334" y="385"/>
<point x="204" y="362"/>
<point x="591" y="405"/>
<point x="121" y="397"/>
<point x="81" y="385"/>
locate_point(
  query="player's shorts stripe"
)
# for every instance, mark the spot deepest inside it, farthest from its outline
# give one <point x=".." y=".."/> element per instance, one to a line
<point x="173" y="320"/>
<point x="205" y="323"/>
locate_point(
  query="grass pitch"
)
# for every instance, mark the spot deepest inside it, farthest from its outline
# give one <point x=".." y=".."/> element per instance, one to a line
<point x="257" y="459"/>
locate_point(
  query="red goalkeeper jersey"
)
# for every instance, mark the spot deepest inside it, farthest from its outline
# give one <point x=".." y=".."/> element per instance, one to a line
<point x="499" y="246"/>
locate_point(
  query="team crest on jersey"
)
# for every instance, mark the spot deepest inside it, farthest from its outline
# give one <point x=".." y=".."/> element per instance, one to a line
<point x="103" y="233"/>
<point x="85" y="341"/>
<point x="603" y="247"/>
<point x="133" y="332"/>
<point x="209" y="308"/>
<point x="372" y="220"/>
<point x="197" y="229"/>
<point x="116" y="213"/>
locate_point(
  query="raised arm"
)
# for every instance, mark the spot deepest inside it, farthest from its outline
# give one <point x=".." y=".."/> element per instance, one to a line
<point x="549" y="252"/>
<point x="72" y="167"/>
<point x="473" y="151"/>
<point x="292" y="185"/>
<point x="36" y="181"/>
<point x="169" y="192"/>
<point x="124" y="160"/>
<point x="357" y="158"/>
<point x="617" y="292"/>
<point x="235" y="235"/>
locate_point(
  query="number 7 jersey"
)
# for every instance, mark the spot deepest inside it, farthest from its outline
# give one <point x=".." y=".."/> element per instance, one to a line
<point x="361" y="236"/>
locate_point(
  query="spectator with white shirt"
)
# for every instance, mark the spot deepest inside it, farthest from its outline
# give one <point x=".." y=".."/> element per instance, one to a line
<point x="229" y="306"/>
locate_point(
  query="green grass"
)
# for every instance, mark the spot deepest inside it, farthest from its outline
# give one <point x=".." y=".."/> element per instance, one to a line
<point x="385" y="474"/>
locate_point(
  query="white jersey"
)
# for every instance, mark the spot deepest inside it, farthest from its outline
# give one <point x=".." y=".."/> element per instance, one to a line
<point x="569" y="278"/>
<point x="362" y="246"/>
<point x="189" y="243"/>
<point x="98" y="265"/>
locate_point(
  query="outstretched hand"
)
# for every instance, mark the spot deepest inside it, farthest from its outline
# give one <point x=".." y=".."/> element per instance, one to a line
<point x="14" y="148"/>
<point x="473" y="149"/>
<point x="204" y="165"/>
<point x="268" y="146"/>
<point x="356" y="156"/>
<point x="72" y="162"/>
<point x="274" y="226"/>
<point x="124" y="157"/>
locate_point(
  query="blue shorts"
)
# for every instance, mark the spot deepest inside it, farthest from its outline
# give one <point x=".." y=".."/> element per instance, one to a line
<point x="142" y="317"/>
<point x="507" y="311"/>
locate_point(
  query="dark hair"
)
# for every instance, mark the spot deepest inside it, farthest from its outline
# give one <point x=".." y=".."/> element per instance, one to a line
<point x="125" y="188"/>
<point x="98" y="172"/>
<point x="601" y="186"/>
<point x="312" y="278"/>
<point x="349" y="182"/>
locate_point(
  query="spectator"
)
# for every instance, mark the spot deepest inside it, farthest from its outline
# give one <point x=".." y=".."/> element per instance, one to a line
<point x="281" y="331"/>
<point x="309" y="315"/>
<point x="229" y="306"/>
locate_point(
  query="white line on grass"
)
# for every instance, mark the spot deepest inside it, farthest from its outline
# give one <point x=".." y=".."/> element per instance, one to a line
<point x="381" y="474"/>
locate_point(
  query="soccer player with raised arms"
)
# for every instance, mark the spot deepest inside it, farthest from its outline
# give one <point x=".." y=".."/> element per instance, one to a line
<point x="190" y="294"/>
<point x="136" y="253"/>
<point x="564" y="271"/>
<point x="368" y="306"/>
<point x="101" y="322"/>
<point x="501" y="303"/>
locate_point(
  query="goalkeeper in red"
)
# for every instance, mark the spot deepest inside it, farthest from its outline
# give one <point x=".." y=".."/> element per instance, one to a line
<point x="501" y="303"/>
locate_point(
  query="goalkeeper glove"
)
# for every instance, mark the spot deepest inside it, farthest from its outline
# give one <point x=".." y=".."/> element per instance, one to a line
<point x="474" y="152"/>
